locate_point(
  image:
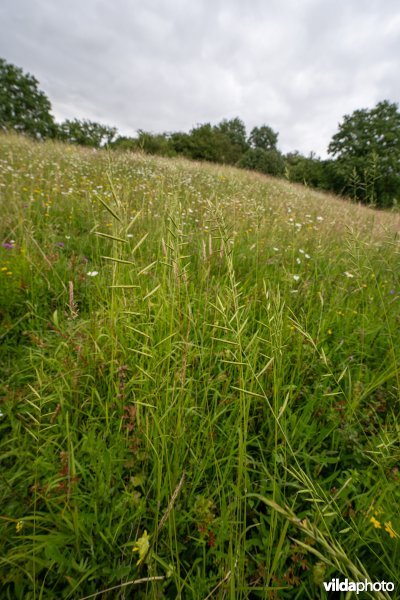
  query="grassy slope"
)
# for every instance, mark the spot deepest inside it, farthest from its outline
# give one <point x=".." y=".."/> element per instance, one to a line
<point x="239" y="404"/>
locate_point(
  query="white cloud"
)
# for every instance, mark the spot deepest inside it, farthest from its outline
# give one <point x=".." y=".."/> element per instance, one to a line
<point x="164" y="65"/>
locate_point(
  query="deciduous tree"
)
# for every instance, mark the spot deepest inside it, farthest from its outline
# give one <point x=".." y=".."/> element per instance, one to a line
<point x="23" y="106"/>
<point x="367" y="151"/>
<point x="86" y="133"/>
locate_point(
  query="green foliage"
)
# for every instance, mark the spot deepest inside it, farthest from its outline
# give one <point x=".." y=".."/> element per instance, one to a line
<point x="311" y="170"/>
<point x="155" y="143"/>
<point x="367" y="148"/>
<point x="124" y="143"/>
<point x="263" y="138"/>
<point x="86" y="133"/>
<point x="23" y="106"/>
<point x="207" y="142"/>
<point x="235" y="130"/>
<point x="270" y="162"/>
<point x="200" y="381"/>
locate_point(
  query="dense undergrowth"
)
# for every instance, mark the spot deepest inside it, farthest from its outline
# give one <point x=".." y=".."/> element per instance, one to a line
<point x="201" y="381"/>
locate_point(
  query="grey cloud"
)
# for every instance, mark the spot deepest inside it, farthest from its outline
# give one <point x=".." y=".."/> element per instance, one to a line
<point x="166" y="65"/>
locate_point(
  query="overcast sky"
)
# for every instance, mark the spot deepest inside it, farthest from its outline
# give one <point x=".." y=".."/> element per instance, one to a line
<point x="167" y="65"/>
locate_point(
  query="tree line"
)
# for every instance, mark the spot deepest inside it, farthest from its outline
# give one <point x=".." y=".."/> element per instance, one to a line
<point x="364" y="161"/>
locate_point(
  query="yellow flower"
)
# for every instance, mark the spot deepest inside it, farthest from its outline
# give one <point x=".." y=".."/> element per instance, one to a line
<point x="19" y="526"/>
<point x="390" y="530"/>
<point x="142" y="546"/>
<point x="375" y="523"/>
<point x="329" y="331"/>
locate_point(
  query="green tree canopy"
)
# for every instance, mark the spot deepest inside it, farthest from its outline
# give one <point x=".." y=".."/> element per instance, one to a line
<point x="235" y="131"/>
<point x="208" y="142"/>
<point x="86" y="133"/>
<point x="263" y="138"/>
<point x="367" y="149"/>
<point x="23" y="106"/>
<point x="270" y="162"/>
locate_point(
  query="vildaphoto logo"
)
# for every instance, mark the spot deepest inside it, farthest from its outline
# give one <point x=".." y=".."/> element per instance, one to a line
<point x="335" y="585"/>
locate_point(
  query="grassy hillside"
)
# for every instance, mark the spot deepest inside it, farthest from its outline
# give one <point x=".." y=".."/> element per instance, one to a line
<point x="201" y="381"/>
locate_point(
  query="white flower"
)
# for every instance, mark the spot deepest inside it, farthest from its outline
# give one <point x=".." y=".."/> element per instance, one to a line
<point x="301" y="251"/>
<point x="298" y="261"/>
<point x="67" y="237"/>
<point x="348" y="274"/>
<point x="276" y="249"/>
<point x="129" y="235"/>
<point x="320" y="218"/>
<point x="307" y="256"/>
<point x="92" y="273"/>
<point x="296" y="277"/>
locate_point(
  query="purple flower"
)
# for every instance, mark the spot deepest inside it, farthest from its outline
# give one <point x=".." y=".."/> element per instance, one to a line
<point x="8" y="246"/>
<point x="60" y="244"/>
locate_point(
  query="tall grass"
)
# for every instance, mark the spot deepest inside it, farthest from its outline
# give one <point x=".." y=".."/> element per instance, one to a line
<point x="201" y="381"/>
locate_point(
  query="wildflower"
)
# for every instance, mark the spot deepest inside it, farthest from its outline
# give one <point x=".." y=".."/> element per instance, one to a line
<point x="375" y="523"/>
<point x="92" y="273"/>
<point x="276" y="249"/>
<point x="142" y="546"/>
<point x="60" y="244"/>
<point x="320" y="218"/>
<point x="67" y="237"/>
<point x="298" y="261"/>
<point x="8" y="246"/>
<point x="19" y="526"/>
<point x="390" y="530"/>
<point x="307" y="256"/>
<point x="350" y="275"/>
<point x="296" y="277"/>
<point x="301" y="251"/>
<point x="329" y="331"/>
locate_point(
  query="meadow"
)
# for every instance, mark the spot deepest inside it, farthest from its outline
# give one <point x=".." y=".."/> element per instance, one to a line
<point x="200" y="381"/>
